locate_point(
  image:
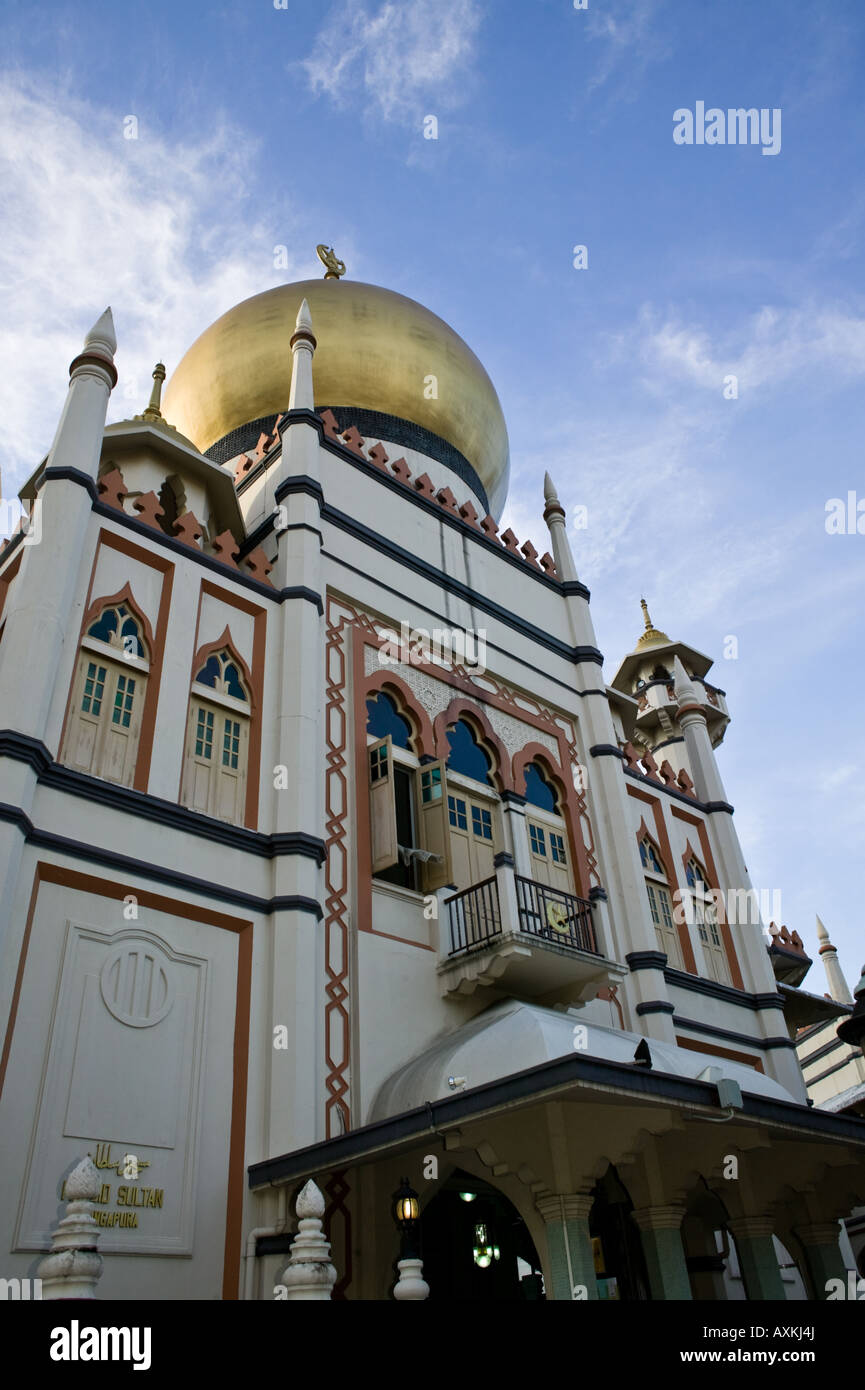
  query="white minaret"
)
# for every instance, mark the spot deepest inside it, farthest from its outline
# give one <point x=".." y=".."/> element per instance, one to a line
<point x="38" y="619"/>
<point x="554" y="516"/>
<point x="303" y="346"/>
<point x="41" y="632"/>
<point x="621" y="929"/>
<point x="831" y="964"/>
<point x="692" y="722"/>
<point x="750" y="944"/>
<point x="298" y="792"/>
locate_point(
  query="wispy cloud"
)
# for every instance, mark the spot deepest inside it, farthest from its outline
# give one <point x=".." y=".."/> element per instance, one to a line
<point x="630" y="40"/>
<point x="408" y="59"/>
<point x="90" y="218"/>
<point x="767" y="350"/>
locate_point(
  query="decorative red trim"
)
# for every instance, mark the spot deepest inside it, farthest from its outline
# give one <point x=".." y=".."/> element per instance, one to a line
<point x="337" y="1223"/>
<point x="611" y="994"/>
<point x="692" y="1045"/>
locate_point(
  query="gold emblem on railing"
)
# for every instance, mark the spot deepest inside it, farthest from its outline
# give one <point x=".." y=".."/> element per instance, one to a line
<point x="557" y="916"/>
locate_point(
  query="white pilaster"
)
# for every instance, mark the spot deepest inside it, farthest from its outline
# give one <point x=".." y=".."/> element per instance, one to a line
<point x="296" y="1095"/>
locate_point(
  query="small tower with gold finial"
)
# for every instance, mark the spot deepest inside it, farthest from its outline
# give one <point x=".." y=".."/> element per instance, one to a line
<point x="651" y="637"/>
<point x="153" y="410"/>
<point x="647" y="676"/>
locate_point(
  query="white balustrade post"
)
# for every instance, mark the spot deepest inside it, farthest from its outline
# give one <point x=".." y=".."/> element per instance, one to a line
<point x="309" y="1273"/>
<point x="74" y="1266"/>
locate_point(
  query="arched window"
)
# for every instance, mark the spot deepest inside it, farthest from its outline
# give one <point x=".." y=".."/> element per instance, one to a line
<point x="660" y="903"/>
<point x="706" y="916"/>
<point x="472" y="806"/>
<point x="539" y="791"/>
<point x="217" y="740"/>
<point x="108" y="696"/>
<point x="395" y="820"/>
<point x="547" y="831"/>
<point x="383" y="719"/>
<point x="432" y="823"/>
<point x="466" y="755"/>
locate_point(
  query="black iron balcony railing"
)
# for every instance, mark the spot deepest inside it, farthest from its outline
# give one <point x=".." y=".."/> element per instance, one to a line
<point x="544" y="912"/>
<point x="555" y="916"/>
<point x="474" y="915"/>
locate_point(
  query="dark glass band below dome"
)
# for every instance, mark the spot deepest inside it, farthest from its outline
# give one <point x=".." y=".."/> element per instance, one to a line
<point x="372" y="424"/>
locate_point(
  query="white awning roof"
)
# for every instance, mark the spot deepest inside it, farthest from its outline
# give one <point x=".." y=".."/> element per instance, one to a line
<point x="512" y="1036"/>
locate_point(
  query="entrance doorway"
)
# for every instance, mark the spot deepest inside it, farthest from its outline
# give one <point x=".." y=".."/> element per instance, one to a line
<point x="620" y="1267"/>
<point x="476" y="1247"/>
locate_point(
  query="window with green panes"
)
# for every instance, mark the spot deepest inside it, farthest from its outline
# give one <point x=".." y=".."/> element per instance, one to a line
<point x="204" y="734"/>
<point x="659" y="902"/>
<point x="230" y="743"/>
<point x="431" y="785"/>
<point x="94" y="689"/>
<point x="538" y="841"/>
<point x="123" y="698"/>
<point x="482" y="823"/>
<point x="378" y="763"/>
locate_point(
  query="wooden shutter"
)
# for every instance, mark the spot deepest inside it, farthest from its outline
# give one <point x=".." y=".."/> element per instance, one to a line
<point x="382" y="805"/>
<point x="122" y="726"/>
<point x="84" y="725"/>
<point x="199" y="767"/>
<point x="434" y="827"/>
<point x="230" y="781"/>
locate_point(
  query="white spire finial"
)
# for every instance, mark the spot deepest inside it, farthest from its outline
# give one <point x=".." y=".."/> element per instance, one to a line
<point x="685" y="692"/>
<point x="550" y="494"/>
<point x="101" y="337"/>
<point x="310" y="1201"/>
<point x="838" y="987"/>
<point x="304" y="317"/>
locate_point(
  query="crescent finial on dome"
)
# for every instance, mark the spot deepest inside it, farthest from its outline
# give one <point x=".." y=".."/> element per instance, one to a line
<point x="334" y="267"/>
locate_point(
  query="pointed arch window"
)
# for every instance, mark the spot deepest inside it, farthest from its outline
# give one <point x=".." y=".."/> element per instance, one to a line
<point x="216" y="758"/>
<point x="660" y="902"/>
<point x="539" y="790"/>
<point x="409" y="841"/>
<point x="705" y="914"/>
<point x="383" y="719"/>
<point x="549" y="848"/>
<point x="108" y="693"/>
<point x="466" y="755"/>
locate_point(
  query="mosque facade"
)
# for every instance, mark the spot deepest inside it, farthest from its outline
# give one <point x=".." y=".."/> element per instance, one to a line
<point x="328" y="853"/>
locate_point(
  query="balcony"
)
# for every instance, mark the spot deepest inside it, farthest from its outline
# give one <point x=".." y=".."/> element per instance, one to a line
<point x="521" y="936"/>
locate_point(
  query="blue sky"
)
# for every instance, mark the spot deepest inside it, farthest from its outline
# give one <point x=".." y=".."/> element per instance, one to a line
<point x="260" y="127"/>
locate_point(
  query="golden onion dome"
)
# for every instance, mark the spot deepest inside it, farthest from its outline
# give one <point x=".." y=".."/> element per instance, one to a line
<point x="377" y="351"/>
